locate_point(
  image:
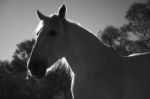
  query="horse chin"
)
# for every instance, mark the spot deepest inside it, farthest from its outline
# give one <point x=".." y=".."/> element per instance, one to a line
<point x="29" y="74"/>
<point x="36" y="75"/>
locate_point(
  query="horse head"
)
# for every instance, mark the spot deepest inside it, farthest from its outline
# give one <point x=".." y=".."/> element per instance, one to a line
<point x="51" y="44"/>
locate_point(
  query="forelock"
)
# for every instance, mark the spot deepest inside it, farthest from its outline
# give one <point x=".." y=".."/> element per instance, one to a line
<point x="39" y="27"/>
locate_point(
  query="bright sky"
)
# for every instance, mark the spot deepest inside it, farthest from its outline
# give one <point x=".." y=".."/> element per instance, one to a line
<point x="18" y="17"/>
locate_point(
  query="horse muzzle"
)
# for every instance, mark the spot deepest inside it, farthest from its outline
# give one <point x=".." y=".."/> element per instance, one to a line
<point x="36" y="70"/>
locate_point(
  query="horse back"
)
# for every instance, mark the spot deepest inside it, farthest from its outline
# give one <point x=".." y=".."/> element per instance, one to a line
<point x="137" y="62"/>
<point x="135" y="77"/>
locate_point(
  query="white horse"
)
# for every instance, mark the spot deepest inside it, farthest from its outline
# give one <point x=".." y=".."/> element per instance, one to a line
<point x="100" y="73"/>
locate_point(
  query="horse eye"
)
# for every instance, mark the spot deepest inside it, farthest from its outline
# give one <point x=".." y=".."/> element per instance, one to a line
<point x="52" y="33"/>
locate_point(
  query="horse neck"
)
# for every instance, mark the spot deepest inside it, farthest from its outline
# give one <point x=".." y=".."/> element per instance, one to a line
<point x="87" y="53"/>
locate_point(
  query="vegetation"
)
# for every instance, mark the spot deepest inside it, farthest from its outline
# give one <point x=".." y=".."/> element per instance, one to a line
<point x="133" y="36"/>
<point x="14" y="82"/>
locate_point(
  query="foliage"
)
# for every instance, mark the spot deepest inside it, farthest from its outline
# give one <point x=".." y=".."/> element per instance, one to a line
<point x="21" y="55"/>
<point x="110" y="36"/>
<point x="14" y="83"/>
<point x="138" y="18"/>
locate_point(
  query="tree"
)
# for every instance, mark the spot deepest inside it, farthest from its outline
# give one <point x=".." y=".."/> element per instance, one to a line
<point x="15" y="85"/>
<point x="138" y="16"/>
<point x="22" y="54"/>
<point x="125" y="43"/>
<point x="110" y="36"/>
<point x="7" y="85"/>
<point x="138" y="26"/>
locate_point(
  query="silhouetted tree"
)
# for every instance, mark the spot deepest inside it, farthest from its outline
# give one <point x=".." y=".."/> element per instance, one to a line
<point x="6" y="82"/>
<point x="110" y="36"/>
<point x="138" y="18"/>
<point x="13" y="82"/>
<point x="22" y="54"/>
<point x="125" y="43"/>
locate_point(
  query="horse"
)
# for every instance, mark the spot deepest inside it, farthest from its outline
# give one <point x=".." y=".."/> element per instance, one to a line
<point x="99" y="72"/>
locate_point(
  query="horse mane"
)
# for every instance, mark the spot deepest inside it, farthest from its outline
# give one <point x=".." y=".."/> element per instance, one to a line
<point x="82" y="28"/>
<point x="104" y="51"/>
<point x="38" y="28"/>
<point x="91" y="35"/>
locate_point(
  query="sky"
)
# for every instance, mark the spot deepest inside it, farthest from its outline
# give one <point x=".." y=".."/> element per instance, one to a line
<point x="18" y="18"/>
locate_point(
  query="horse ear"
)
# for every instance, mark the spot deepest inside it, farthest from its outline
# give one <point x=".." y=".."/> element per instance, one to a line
<point x="40" y="15"/>
<point x="62" y="11"/>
